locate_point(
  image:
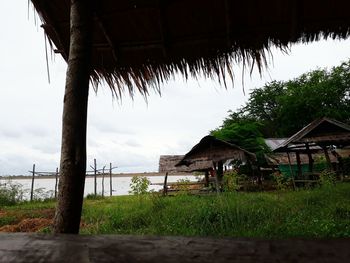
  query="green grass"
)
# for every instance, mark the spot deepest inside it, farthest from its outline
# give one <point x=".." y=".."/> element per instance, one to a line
<point x="309" y="213"/>
<point x="321" y="212"/>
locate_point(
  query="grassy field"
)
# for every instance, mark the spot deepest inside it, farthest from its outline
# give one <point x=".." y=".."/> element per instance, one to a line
<point x="320" y="212"/>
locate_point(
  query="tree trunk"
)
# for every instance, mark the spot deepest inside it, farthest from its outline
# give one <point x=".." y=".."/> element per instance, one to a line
<point x="73" y="151"/>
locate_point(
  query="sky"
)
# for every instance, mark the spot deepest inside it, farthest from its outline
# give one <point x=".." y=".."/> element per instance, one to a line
<point x="131" y="134"/>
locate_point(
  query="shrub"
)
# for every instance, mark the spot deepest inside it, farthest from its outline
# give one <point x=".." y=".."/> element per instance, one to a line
<point x="139" y="185"/>
<point x="327" y="178"/>
<point x="231" y="181"/>
<point x="94" y="197"/>
<point x="10" y="193"/>
<point x="282" y="182"/>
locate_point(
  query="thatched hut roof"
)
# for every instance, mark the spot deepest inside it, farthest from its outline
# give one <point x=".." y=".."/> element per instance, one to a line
<point x="210" y="150"/>
<point x="168" y="163"/>
<point x="144" y="42"/>
<point x="321" y="132"/>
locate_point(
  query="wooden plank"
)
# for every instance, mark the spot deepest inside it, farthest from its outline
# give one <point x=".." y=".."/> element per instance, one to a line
<point x="30" y="248"/>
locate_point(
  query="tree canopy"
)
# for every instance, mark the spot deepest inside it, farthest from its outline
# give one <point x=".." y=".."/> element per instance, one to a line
<point x="281" y="108"/>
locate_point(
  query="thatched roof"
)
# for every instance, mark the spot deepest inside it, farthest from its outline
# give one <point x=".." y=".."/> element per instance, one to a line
<point x="210" y="150"/>
<point x="168" y="163"/>
<point x="322" y="132"/>
<point x="140" y="43"/>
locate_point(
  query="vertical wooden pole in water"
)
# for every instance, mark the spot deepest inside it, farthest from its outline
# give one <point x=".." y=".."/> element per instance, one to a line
<point x="32" y="187"/>
<point x="74" y="124"/>
<point x="110" y="179"/>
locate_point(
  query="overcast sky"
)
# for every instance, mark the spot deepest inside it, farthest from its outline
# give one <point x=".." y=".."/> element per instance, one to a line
<point x="130" y="134"/>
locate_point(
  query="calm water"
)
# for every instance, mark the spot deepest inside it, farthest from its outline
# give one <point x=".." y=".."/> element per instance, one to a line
<point x="120" y="185"/>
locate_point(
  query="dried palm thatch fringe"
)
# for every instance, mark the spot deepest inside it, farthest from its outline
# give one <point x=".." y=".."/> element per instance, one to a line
<point x="252" y="52"/>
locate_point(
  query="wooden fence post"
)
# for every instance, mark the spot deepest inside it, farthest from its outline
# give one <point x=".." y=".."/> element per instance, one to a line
<point x="95" y="179"/>
<point x="32" y="188"/>
<point x="103" y="181"/>
<point x="110" y="179"/>
<point x="56" y="182"/>
<point x="165" y="187"/>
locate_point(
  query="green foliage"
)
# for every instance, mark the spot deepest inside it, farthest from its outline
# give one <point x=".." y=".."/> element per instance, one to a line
<point x="231" y="214"/>
<point x="281" y="108"/>
<point x="282" y="182"/>
<point x="327" y="178"/>
<point x="264" y="215"/>
<point x="10" y="193"/>
<point x="244" y="133"/>
<point x="183" y="186"/>
<point x="94" y="197"/>
<point x="139" y="185"/>
<point x="232" y="180"/>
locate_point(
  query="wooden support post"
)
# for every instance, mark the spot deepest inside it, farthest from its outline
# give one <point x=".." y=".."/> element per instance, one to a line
<point x="291" y="171"/>
<point x="216" y="178"/>
<point x="299" y="164"/>
<point x="165" y="186"/>
<point x="311" y="161"/>
<point x="220" y="172"/>
<point x="95" y="177"/>
<point x="103" y="181"/>
<point x="56" y="182"/>
<point x="328" y="159"/>
<point x="206" y="176"/>
<point x="32" y="187"/>
<point x="110" y="179"/>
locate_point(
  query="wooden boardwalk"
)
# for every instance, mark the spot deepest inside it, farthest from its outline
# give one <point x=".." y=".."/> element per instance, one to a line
<point x="23" y="247"/>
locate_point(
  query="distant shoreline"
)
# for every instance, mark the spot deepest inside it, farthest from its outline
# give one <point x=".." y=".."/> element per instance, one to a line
<point x="19" y="177"/>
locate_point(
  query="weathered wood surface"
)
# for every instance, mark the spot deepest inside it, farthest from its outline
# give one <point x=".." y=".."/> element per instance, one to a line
<point x="29" y="248"/>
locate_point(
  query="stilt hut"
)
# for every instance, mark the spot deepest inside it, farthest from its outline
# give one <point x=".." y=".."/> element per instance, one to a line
<point x="211" y="154"/>
<point x="322" y="134"/>
<point x="134" y="44"/>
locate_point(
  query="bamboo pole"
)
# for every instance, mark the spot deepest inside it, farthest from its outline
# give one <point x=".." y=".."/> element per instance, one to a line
<point x="32" y="187"/>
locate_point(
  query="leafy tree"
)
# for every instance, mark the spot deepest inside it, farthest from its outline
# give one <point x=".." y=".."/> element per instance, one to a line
<point x="245" y="133"/>
<point x="282" y="108"/>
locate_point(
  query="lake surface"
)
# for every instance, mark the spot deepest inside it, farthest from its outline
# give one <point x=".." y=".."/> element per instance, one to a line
<point x="120" y="185"/>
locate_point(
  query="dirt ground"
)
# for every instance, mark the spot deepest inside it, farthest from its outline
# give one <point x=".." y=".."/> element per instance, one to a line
<point x="24" y="222"/>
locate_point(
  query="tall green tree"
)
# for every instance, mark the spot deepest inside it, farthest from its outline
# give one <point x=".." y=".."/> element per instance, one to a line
<point x="283" y="107"/>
